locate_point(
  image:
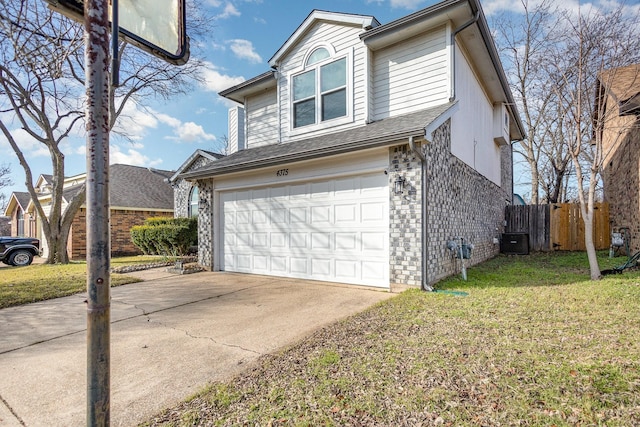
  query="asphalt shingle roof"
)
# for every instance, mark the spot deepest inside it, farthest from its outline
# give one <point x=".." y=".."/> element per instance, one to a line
<point x="377" y="134"/>
<point x="143" y="188"/>
<point x="23" y="198"/>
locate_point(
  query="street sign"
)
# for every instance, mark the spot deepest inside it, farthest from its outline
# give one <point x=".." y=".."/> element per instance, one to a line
<point x="155" y="26"/>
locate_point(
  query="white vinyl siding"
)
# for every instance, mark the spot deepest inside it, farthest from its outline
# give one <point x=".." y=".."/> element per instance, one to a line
<point x="344" y="40"/>
<point x="236" y="130"/>
<point x="472" y="126"/>
<point x="262" y="119"/>
<point x="412" y="75"/>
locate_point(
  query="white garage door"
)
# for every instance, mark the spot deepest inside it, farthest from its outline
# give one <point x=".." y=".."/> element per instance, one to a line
<point x="334" y="230"/>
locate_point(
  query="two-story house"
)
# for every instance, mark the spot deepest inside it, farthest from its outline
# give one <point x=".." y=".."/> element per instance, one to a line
<point x="364" y="151"/>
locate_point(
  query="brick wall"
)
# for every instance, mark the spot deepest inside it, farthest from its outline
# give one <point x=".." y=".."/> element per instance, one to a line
<point x="405" y="217"/>
<point x="121" y="222"/>
<point x="205" y="225"/>
<point x="460" y="203"/>
<point x="621" y="178"/>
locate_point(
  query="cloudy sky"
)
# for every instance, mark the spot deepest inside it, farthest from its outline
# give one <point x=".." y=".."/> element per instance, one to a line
<point x="245" y="35"/>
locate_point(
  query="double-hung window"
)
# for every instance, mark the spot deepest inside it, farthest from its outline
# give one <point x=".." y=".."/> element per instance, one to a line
<point x="320" y="92"/>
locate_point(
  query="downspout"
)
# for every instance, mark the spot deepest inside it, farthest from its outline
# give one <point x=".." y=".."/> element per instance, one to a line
<point x="455" y="32"/>
<point x="424" y="216"/>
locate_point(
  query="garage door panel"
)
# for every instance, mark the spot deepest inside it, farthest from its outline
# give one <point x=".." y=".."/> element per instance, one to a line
<point x="260" y="263"/>
<point x="321" y="241"/>
<point x="279" y="264"/>
<point x="320" y="214"/>
<point x="260" y="240"/>
<point x="373" y="212"/>
<point x="242" y="217"/>
<point x="373" y="270"/>
<point x="279" y="216"/>
<point x="346" y="213"/>
<point x="333" y="230"/>
<point x="298" y="215"/>
<point x="372" y="241"/>
<point x="299" y="266"/>
<point x="321" y="267"/>
<point x="346" y="241"/>
<point x="278" y="240"/>
<point x="347" y="270"/>
<point x="299" y="240"/>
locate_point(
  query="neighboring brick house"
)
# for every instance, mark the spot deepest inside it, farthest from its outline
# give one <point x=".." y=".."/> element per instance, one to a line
<point x="135" y="194"/>
<point x="364" y="151"/>
<point x="618" y="109"/>
<point x="22" y="222"/>
<point x="185" y="193"/>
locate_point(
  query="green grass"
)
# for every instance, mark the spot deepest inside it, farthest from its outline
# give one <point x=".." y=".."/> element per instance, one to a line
<point x="534" y="343"/>
<point x="38" y="282"/>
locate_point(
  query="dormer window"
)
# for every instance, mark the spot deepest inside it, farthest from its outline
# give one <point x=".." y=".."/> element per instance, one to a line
<point x="320" y="90"/>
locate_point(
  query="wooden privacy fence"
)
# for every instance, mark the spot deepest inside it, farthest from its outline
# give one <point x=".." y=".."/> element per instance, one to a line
<point x="558" y="226"/>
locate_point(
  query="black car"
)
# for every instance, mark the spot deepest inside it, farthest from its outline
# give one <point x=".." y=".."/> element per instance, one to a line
<point x="18" y="251"/>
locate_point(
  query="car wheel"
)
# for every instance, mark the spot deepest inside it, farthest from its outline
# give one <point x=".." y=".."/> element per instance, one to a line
<point x="21" y="258"/>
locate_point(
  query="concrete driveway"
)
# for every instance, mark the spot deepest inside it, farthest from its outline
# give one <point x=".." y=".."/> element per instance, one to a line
<point x="170" y="336"/>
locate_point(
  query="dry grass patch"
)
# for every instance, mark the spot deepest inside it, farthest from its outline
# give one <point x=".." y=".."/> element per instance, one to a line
<point x="535" y="343"/>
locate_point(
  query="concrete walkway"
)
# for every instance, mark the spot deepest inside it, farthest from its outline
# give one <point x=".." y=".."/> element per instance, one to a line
<point x="170" y="336"/>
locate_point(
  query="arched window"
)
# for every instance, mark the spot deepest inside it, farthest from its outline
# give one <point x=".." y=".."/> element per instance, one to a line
<point x="318" y="55"/>
<point x="320" y="90"/>
<point x="193" y="201"/>
<point x="20" y="218"/>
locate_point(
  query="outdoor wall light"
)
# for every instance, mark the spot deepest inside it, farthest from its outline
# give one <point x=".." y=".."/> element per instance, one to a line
<point x="203" y="203"/>
<point x="398" y="185"/>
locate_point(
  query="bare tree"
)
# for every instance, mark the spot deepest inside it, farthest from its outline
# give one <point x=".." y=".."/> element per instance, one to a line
<point x="524" y="43"/>
<point x="594" y="42"/>
<point x="42" y="86"/>
<point x="5" y="181"/>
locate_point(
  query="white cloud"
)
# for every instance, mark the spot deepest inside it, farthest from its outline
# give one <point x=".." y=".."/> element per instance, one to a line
<point x="27" y="144"/>
<point x="243" y="49"/>
<point x="134" y="121"/>
<point x="192" y="132"/>
<point x="131" y="157"/>
<point x="228" y="11"/>
<point x="185" y="132"/>
<point x="259" y="20"/>
<point x="215" y="81"/>
<point x="168" y="120"/>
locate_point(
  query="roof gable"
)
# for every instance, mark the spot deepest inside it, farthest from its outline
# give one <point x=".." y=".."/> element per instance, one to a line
<point x="363" y="21"/>
<point x="468" y="27"/>
<point x="197" y="155"/>
<point x="17" y="199"/>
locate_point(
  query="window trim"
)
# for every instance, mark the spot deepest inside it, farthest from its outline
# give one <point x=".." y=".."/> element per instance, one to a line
<point x="349" y="82"/>
<point x="190" y="213"/>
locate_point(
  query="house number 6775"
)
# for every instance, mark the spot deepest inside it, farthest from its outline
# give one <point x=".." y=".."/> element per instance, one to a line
<point x="282" y="172"/>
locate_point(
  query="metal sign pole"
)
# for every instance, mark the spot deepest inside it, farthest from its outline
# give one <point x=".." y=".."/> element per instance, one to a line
<point x="97" y="201"/>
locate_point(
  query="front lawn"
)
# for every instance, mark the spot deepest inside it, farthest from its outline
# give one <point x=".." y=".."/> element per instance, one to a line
<point x="533" y="343"/>
<point x="38" y="282"/>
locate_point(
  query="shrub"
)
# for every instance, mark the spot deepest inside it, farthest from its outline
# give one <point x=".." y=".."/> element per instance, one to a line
<point x="166" y="236"/>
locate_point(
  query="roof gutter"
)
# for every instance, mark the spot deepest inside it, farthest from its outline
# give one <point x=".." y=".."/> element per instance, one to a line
<point x="305" y="155"/>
